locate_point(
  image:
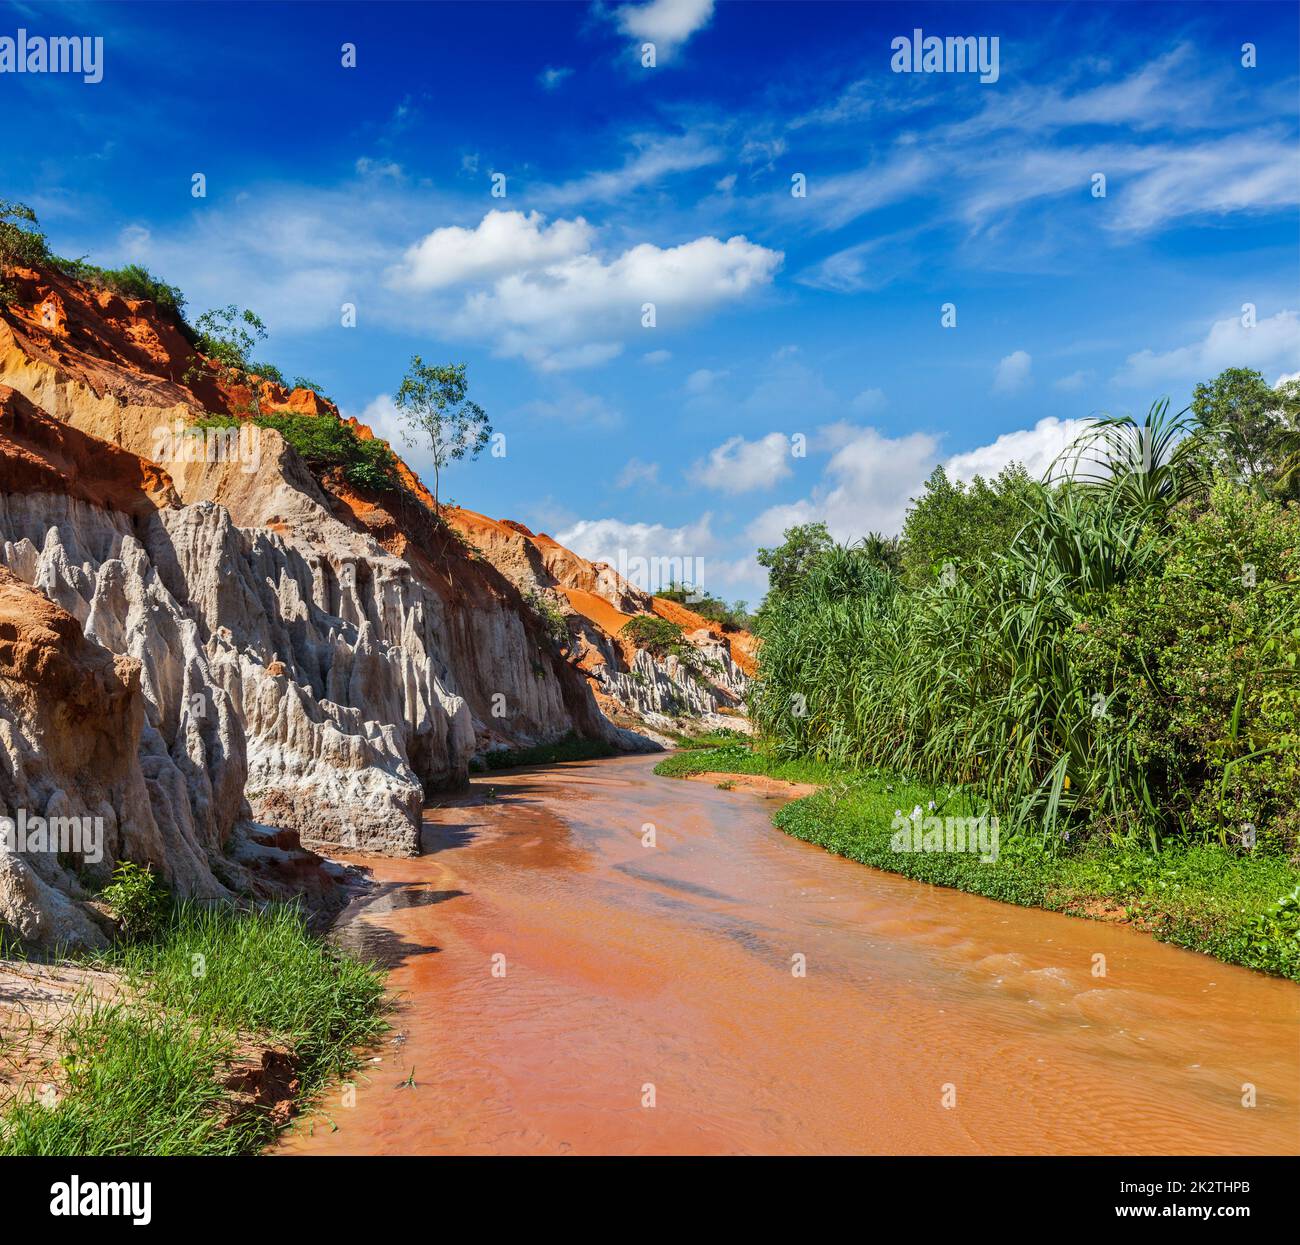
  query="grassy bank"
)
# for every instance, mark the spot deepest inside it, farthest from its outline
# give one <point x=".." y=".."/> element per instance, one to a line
<point x="1243" y="909"/>
<point x="147" y="1073"/>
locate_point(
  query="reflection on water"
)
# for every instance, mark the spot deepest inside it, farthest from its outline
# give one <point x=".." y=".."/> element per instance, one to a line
<point x="361" y="931"/>
<point x="575" y="967"/>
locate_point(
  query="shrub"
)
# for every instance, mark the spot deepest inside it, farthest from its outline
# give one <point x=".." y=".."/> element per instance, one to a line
<point x="657" y="636"/>
<point x="731" y="617"/>
<point x="226" y="336"/>
<point x="131" y="281"/>
<point x="325" y="441"/>
<point x="552" y="618"/>
<point x="268" y="371"/>
<point x="1198" y="663"/>
<point x="137" y="899"/>
<point x="962" y="523"/>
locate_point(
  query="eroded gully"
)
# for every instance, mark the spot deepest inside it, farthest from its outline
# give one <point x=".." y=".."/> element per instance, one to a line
<point x="627" y="967"/>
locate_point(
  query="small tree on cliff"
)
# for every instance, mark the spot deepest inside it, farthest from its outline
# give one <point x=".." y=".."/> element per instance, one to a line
<point x="435" y="407"/>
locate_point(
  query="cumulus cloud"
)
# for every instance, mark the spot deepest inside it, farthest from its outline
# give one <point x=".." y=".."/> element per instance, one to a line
<point x="1013" y="373"/>
<point x="609" y="540"/>
<point x="502" y="242"/>
<point x="586" y="299"/>
<point x="543" y="292"/>
<point x="1035" y="448"/>
<point x="1268" y="345"/>
<point x="668" y="24"/>
<point x="867" y="484"/>
<point x="740" y="466"/>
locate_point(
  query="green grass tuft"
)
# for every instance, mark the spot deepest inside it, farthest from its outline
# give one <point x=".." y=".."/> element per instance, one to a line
<point x="144" y="1076"/>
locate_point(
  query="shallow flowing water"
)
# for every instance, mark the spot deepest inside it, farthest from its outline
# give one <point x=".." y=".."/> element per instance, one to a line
<point x="928" y="1021"/>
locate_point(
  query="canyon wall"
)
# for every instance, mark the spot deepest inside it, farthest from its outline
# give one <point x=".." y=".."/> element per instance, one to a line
<point x="224" y="656"/>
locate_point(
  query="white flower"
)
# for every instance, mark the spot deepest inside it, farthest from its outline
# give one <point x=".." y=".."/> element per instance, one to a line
<point x="932" y="806"/>
<point x="916" y="812"/>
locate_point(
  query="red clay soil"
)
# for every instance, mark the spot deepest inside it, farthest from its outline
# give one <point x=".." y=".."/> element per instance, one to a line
<point x="129" y="347"/>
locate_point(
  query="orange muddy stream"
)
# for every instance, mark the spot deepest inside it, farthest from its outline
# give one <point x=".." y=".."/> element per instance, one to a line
<point x="629" y="966"/>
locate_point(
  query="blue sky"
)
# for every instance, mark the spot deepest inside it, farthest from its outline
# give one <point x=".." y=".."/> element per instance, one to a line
<point x="776" y="316"/>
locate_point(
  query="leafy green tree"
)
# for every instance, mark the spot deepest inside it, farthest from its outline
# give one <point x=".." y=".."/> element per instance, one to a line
<point x="21" y="243"/>
<point x="1251" y="429"/>
<point x="434" y="405"/>
<point x="227" y="336"/>
<point x="957" y="522"/>
<point x="788" y="562"/>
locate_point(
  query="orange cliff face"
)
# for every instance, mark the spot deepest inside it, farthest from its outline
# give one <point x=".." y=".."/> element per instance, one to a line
<point x="599" y="603"/>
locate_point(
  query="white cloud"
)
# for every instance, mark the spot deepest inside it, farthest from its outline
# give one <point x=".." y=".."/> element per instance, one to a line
<point x="367" y="167"/>
<point x="1034" y="448"/>
<point x="1270" y="344"/>
<point x="293" y="258"/>
<point x="551" y="77"/>
<point x="1244" y="173"/>
<point x="866" y="487"/>
<point x="604" y="540"/>
<point x="637" y="472"/>
<point x="869" y="265"/>
<point x="1013" y="373"/>
<point x="502" y="242"/>
<point x="668" y="24"/>
<point x="1286" y="376"/>
<point x="836" y="200"/>
<point x="739" y="466"/>
<point x="585" y="299"/>
<point x="655" y="357"/>
<point x="656" y="157"/>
